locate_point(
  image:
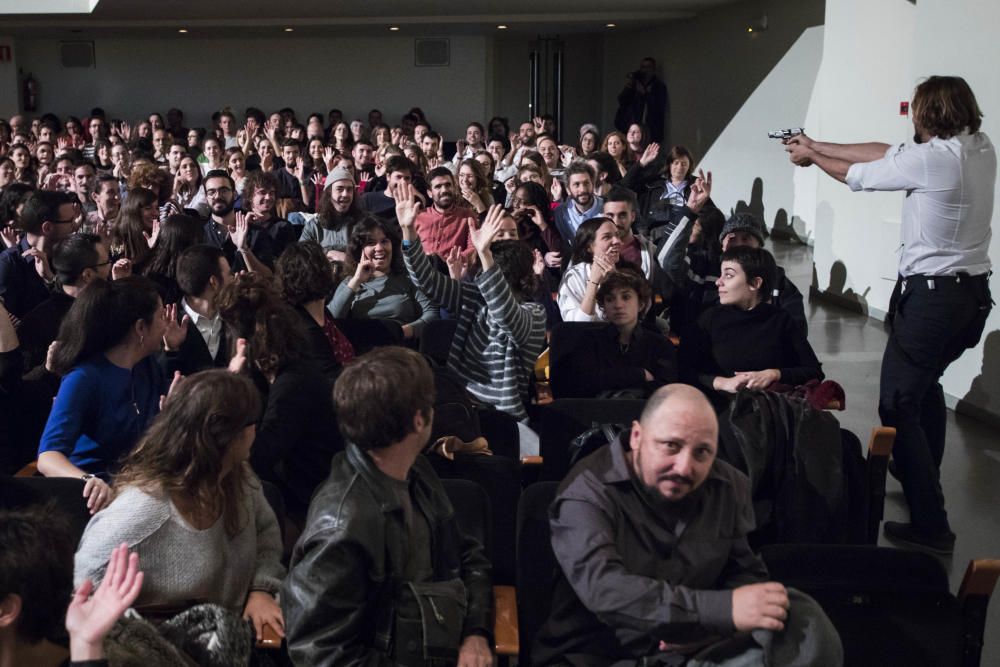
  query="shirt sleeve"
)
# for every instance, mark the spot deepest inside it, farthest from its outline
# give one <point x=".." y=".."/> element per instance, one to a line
<point x="72" y="404"/>
<point x="428" y="311"/>
<point x="571" y="296"/>
<point x="269" y="572"/>
<point x="583" y="540"/>
<point x="429" y="280"/>
<point x="903" y="168"/>
<point x="343" y="299"/>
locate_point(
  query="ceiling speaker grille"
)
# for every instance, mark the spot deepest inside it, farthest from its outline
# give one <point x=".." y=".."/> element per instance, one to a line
<point x="76" y="54"/>
<point x="432" y="52"/>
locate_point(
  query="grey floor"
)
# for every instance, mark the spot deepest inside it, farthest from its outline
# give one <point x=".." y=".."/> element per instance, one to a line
<point x="850" y="347"/>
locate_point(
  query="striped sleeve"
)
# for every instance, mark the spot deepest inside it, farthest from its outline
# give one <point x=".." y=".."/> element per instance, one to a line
<point x="430" y="281"/>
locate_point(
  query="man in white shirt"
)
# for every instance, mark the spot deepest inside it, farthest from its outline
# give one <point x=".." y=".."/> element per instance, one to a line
<point x="942" y="298"/>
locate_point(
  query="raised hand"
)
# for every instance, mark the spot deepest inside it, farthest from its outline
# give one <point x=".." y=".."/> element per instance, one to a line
<point x="537" y="217"/>
<point x="63" y="142"/>
<point x="538" y="124"/>
<point x="174" y="383"/>
<point x="538" y="262"/>
<point x="239" y="360"/>
<point x="176" y="332"/>
<point x="329" y="153"/>
<point x="600" y="268"/>
<point x="317" y="179"/>
<point x="553" y="259"/>
<point x="121" y="269"/>
<point x="125" y="130"/>
<point x="90" y="617"/>
<point x="408" y="206"/>
<point x="557" y="190"/>
<point x="456" y="263"/>
<point x="9" y="236"/>
<point x="483" y="235"/>
<point x="363" y="272"/>
<point x="241" y="232"/>
<point x="151" y="238"/>
<point x="42" y="267"/>
<point x="649" y="154"/>
<point x="701" y="190"/>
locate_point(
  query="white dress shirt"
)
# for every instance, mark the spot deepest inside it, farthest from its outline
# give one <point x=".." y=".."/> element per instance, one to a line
<point x="949" y="186"/>
<point x="210" y="329"/>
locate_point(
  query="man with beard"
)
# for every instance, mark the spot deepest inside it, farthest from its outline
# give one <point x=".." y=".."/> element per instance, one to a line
<point x="84" y="181"/>
<point x="582" y="204"/>
<point x="259" y="200"/>
<point x="338" y="211"/>
<point x="246" y="246"/>
<point x="631" y="591"/>
<point x="364" y="160"/>
<point x="445" y="225"/>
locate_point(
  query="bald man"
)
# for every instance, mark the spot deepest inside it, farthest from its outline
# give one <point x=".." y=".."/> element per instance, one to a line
<point x="650" y="534"/>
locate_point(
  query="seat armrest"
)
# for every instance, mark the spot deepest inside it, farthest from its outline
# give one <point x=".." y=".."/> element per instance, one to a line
<point x="881" y="441"/>
<point x="269" y="638"/>
<point x="505" y="629"/>
<point x="30" y="470"/>
<point x="980" y="579"/>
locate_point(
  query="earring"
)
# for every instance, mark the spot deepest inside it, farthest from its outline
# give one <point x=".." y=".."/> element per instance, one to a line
<point x="142" y="337"/>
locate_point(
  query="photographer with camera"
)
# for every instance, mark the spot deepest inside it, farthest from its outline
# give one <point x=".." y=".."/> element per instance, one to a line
<point x="644" y="101"/>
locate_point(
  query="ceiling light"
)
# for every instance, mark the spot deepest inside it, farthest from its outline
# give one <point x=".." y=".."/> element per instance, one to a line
<point x="289" y="29"/>
<point x="610" y="25"/>
<point x="183" y="31"/>
<point x="394" y="28"/>
<point x="501" y="27"/>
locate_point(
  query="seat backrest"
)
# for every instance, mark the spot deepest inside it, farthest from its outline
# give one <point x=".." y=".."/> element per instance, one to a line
<point x="536" y="564"/>
<point x="65" y="493"/>
<point x="435" y="339"/>
<point x="499" y="479"/>
<point x="565" y="418"/>
<point x="472" y="509"/>
<point x="367" y="334"/>
<point x="565" y="340"/>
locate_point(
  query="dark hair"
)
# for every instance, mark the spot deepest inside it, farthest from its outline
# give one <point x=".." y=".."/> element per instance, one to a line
<point x="304" y="273"/>
<point x="42" y="206"/>
<point x="477" y="125"/>
<point x="330" y="218"/>
<point x="189" y="189"/>
<point x="439" y="172"/>
<point x="676" y="153"/>
<point x="36" y="565"/>
<point x="580" y="167"/>
<point x="177" y="234"/>
<point x="756" y="263"/>
<point x="105" y="179"/>
<point x="258" y="180"/>
<point x="620" y="194"/>
<point x="12" y="197"/>
<point x="516" y="261"/>
<point x="73" y="255"/>
<point x="945" y="106"/>
<point x="222" y="173"/>
<point x="128" y="228"/>
<point x="585" y="235"/>
<point x="378" y="394"/>
<point x="538" y="197"/>
<point x="187" y="445"/>
<point x="607" y="165"/>
<point x="196" y="266"/>
<point x="711" y="220"/>
<point x="503" y="121"/>
<point x="626" y="277"/>
<point x="399" y="163"/>
<point x="291" y="143"/>
<point x="361" y="235"/>
<point x="253" y="309"/>
<point x="101" y="317"/>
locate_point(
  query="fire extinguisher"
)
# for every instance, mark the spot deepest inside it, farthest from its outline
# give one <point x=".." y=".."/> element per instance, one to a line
<point x="30" y="93"/>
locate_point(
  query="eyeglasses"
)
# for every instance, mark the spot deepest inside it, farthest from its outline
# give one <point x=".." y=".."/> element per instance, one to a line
<point x="94" y="266"/>
<point x="65" y="222"/>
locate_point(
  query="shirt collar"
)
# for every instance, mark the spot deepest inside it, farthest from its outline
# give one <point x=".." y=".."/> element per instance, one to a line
<point x="195" y="316"/>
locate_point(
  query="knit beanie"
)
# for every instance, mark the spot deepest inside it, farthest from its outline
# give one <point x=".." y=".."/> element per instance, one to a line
<point x="744" y="222"/>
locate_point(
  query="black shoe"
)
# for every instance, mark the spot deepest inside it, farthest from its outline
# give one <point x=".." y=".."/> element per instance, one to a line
<point x="905" y="533"/>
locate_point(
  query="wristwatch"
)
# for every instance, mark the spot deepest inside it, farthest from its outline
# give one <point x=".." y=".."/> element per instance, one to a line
<point x="87" y="476"/>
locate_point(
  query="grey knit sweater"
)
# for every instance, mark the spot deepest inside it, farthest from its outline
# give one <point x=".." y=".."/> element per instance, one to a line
<point x="183" y="565"/>
<point x="497" y="340"/>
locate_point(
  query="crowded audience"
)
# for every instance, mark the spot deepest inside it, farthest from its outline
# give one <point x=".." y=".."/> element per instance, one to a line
<point x="178" y="307"/>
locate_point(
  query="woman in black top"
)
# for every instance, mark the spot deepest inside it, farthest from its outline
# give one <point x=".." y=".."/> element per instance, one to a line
<point x="620" y="356"/>
<point x="746" y="342"/>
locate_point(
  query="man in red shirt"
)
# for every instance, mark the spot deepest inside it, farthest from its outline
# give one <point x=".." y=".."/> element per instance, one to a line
<point x="445" y="224"/>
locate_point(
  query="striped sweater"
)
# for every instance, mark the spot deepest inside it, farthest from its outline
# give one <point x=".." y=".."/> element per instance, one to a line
<point x="497" y="340"/>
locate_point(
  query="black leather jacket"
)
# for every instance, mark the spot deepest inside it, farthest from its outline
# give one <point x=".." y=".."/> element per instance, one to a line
<point x="338" y="597"/>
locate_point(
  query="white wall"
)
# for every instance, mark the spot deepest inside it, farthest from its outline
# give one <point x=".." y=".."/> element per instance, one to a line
<point x="743" y="153"/>
<point x="133" y="77"/>
<point x="9" y="95"/>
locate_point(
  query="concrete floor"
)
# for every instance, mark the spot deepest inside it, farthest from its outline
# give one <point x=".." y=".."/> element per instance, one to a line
<point x="850" y="347"/>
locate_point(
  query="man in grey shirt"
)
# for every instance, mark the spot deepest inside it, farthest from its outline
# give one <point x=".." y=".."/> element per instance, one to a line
<point x="655" y="568"/>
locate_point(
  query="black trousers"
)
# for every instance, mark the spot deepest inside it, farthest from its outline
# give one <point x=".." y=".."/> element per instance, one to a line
<point x="933" y="321"/>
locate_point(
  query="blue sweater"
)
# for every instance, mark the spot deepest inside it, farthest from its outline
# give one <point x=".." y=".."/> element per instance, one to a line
<point x="100" y="412"/>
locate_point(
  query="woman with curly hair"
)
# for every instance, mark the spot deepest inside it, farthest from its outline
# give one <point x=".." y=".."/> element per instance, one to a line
<point x="476" y="189"/>
<point x="379" y="288"/>
<point x="305" y="279"/>
<point x="297" y="435"/>
<point x="188" y="504"/>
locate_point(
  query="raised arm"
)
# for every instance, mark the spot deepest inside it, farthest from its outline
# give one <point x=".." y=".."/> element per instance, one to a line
<point x="426" y="278"/>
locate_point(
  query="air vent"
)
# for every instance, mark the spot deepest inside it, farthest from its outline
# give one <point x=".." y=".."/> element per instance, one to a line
<point x="76" y="54"/>
<point x="432" y="52"/>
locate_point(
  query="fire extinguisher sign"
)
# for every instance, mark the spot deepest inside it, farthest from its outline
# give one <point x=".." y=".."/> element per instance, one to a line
<point x="6" y="53"/>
